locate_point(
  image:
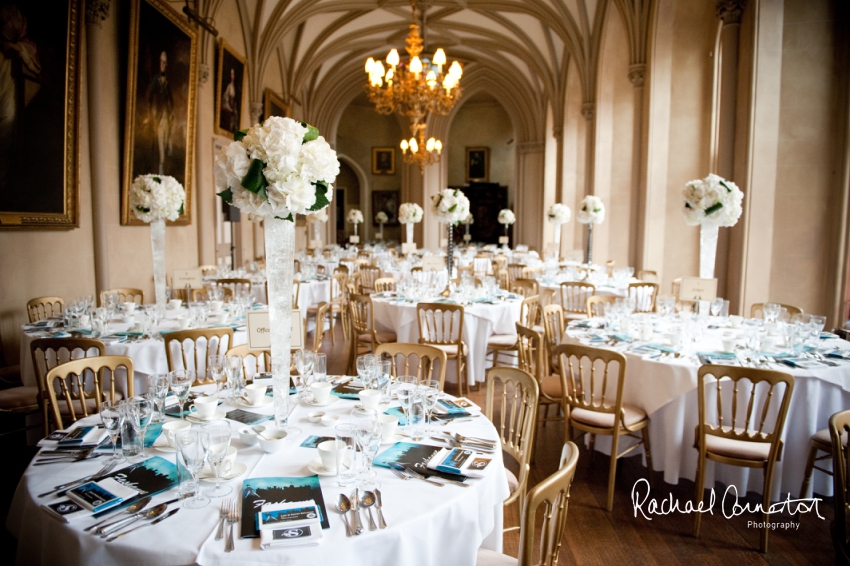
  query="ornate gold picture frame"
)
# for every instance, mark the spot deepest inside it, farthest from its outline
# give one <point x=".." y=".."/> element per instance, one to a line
<point x="477" y="164"/>
<point x="383" y="161"/>
<point x="231" y="76"/>
<point x="40" y="125"/>
<point x="274" y="105"/>
<point x="162" y="80"/>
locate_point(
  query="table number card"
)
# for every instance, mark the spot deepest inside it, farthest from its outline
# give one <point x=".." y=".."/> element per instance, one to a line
<point x="552" y="247"/>
<point x="433" y="263"/>
<point x="192" y="278"/>
<point x="696" y="289"/>
<point x="408" y="249"/>
<point x="314" y="244"/>
<point x="354" y="239"/>
<point x="504" y="240"/>
<point x="379" y="236"/>
<point x="444" y="242"/>
<point x="258" y="330"/>
<point x="467" y="237"/>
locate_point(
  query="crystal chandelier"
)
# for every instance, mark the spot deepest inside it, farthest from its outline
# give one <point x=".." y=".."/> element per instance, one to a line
<point x="420" y="151"/>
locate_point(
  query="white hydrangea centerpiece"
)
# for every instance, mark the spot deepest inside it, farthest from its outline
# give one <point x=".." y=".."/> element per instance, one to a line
<point x="355" y="216"/>
<point x="450" y="206"/>
<point x="712" y="201"/>
<point x="382" y="218"/>
<point x="410" y="213"/>
<point x="559" y="214"/>
<point x="591" y="210"/>
<point x="468" y="220"/>
<point x="157" y="197"/>
<point x="506" y="217"/>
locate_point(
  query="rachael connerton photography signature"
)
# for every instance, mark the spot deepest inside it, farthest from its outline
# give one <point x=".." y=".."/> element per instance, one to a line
<point x="643" y="503"/>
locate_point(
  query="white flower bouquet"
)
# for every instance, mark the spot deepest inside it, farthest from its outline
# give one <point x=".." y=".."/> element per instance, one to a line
<point x="506" y="217"/>
<point x="410" y="213"/>
<point x="450" y="206"/>
<point x="559" y="214"/>
<point x="157" y="197"/>
<point x="355" y="216"/>
<point x="468" y="220"/>
<point x="318" y="216"/>
<point x="591" y="210"/>
<point x="278" y="168"/>
<point x="382" y="218"/>
<point x="712" y="201"/>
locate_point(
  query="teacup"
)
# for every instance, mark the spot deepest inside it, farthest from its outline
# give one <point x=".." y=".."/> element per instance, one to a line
<point x="332" y="453"/>
<point x="768" y="343"/>
<point x="389" y="424"/>
<point x="735" y="321"/>
<point x="321" y="392"/>
<point x="183" y="322"/>
<point x="219" y="318"/>
<point x="370" y="398"/>
<point x="226" y="463"/>
<point x="216" y="306"/>
<point x="85" y="320"/>
<point x="175" y="303"/>
<point x="129" y="318"/>
<point x="129" y="307"/>
<point x="273" y="439"/>
<point x="204" y="407"/>
<point x="171" y="428"/>
<point x="254" y="393"/>
<point x="248" y="436"/>
<point x="729" y="343"/>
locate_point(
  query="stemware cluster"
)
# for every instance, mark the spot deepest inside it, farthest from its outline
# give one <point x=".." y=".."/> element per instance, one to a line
<point x="133" y="414"/>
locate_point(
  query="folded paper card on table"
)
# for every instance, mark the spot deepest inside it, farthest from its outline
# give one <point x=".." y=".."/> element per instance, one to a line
<point x="101" y="495"/>
<point x="259" y="337"/>
<point x="79" y="437"/>
<point x="414" y="456"/>
<point x="257" y="493"/>
<point x="192" y="278"/>
<point x="459" y="461"/>
<point x="247" y="417"/>
<point x="289" y="524"/>
<point x="348" y="390"/>
<point x="433" y="263"/>
<point x="696" y="289"/>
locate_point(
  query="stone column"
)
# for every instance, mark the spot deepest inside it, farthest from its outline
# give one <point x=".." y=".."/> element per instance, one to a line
<point x="105" y="153"/>
<point x="529" y="195"/>
<point x="205" y="198"/>
<point x="637" y="76"/>
<point x="588" y="110"/>
<point x="256" y="110"/>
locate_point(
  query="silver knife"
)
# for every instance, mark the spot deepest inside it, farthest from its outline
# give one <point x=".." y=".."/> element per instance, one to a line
<point x="381" y="523"/>
<point x="357" y="525"/>
<point x="154" y="522"/>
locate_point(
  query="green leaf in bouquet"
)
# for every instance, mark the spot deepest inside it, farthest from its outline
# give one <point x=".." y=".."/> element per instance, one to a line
<point x="713" y="208"/>
<point x="254" y="179"/>
<point x="725" y="185"/>
<point x="157" y="179"/>
<point x="182" y="204"/>
<point x="287" y="218"/>
<point x="226" y="195"/>
<point x="321" y="196"/>
<point x="312" y="133"/>
<point x="238" y="136"/>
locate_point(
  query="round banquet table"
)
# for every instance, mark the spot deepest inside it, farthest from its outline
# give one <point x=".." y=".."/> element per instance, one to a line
<point x="480" y="321"/>
<point x="666" y="388"/>
<point x="422" y="528"/>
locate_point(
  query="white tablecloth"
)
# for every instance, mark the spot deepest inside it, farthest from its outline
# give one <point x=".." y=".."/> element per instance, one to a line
<point x="423" y="520"/>
<point x="480" y="321"/>
<point x="666" y="389"/>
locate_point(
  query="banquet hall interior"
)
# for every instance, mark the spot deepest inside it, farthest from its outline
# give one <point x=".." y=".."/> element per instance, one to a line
<point x="713" y="134"/>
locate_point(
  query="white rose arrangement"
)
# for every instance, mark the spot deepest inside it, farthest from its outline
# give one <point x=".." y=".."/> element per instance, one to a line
<point x="506" y="217"/>
<point x="468" y="220"/>
<point x="157" y="197"/>
<point x="382" y="218"/>
<point x="355" y="216"/>
<point x="591" y="210"/>
<point x="450" y="206"/>
<point x="712" y="201"/>
<point x="278" y="168"/>
<point x="319" y="216"/>
<point x="559" y="214"/>
<point x="410" y="213"/>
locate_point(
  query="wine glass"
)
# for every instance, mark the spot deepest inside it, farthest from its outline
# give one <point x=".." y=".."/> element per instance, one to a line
<point x="818" y="322"/>
<point x="716" y="306"/>
<point x="233" y="369"/>
<point x="220" y="434"/>
<point x="320" y="367"/>
<point x="367" y="432"/>
<point x="345" y="435"/>
<point x="364" y="369"/>
<point x="770" y="311"/>
<point x="158" y="387"/>
<point x="405" y="391"/>
<point x="140" y="412"/>
<point x="194" y="446"/>
<point x="216" y="365"/>
<point x="181" y="381"/>
<point x="112" y="418"/>
<point x="304" y="365"/>
<point x="156" y="314"/>
<point x="430" y="394"/>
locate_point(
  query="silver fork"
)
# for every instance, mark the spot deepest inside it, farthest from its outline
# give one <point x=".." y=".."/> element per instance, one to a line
<point x="222" y="517"/>
<point x="65" y="486"/>
<point x="232" y="519"/>
<point x="404" y="476"/>
<point x="417" y="475"/>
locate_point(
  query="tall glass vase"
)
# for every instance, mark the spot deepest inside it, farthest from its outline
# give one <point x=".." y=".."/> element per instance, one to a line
<point x="381" y="231"/>
<point x="409" y="232"/>
<point x="158" y="247"/>
<point x="280" y="253"/>
<point x="450" y="248"/>
<point x="588" y="256"/>
<point x="707" y="250"/>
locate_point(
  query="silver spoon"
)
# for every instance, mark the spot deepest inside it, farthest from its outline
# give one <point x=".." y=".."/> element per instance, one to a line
<point x="344" y="507"/>
<point x="137" y="506"/>
<point x="259" y="429"/>
<point x="149" y="514"/>
<point x="367" y="500"/>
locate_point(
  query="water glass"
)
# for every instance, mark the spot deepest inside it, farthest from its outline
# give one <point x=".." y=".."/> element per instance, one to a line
<point x="235" y="382"/>
<point x="345" y="435"/>
<point x="181" y="381"/>
<point x="430" y="390"/>
<point x="220" y="435"/>
<point x="139" y="412"/>
<point x="112" y="418"/>
<point x="367" y="431"/>
<point x="158" y="384"/>
<point x="194" y="446"/>
<point x="416" y="412"/>
<point x="404" y="391"/>
<point x="320" y="367"/>
<point x="770" y="311"/>
<point x="216" y="365"/>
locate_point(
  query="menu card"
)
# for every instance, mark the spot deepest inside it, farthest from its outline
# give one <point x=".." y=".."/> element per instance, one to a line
<point x="414" y="456"/>
<point x="259" y="492"/>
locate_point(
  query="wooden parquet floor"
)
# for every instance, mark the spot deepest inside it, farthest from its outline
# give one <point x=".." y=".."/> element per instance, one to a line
<point x="593" y="536"/>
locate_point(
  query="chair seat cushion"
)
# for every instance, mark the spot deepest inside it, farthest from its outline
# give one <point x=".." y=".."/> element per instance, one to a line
<point x="492" y="558"/>
<point x="732" y="448"/>
<point x="551" y="386"/>
<point x="513" y="482"/>
<point x="90" y="405"/>
<point x="450" y="349"/>
<point x="18" y="398"/>
<point x="382" y="336"/>
<point x="822" y="437"/>
<point x="606" y="420"/>
<point x="501" y="340"/>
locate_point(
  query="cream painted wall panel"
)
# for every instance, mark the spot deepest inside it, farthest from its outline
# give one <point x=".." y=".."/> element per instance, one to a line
<point x="549" y="196"/>
<point x="483" y="125"/>
<point x="574" y="150"/>
<point x="806" y="160"/>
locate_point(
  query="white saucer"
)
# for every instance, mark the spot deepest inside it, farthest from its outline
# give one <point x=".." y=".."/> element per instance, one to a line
<point x="316" y="467"/>
<point x="395" y="438"/>
<point x="165" y="448"/>
<point x="265" y="401"/>
<point x="237" y="470"/>
<point x="312" y="403"/>
<point x="217" y="416"/>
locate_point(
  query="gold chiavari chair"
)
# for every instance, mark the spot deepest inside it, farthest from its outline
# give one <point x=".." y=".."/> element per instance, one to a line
<point x="385" y="284"/>
<point x="644" y="295"/>
<point x="503" y="278"/>
<point x="500" y="262"/>
<point x="126" y="294"/>
<point x="296" y="266"/>
<point x="529" y="313"/>
<point x="441" y="325"/>
<point x="75" y="377"/>
<point x="590" y="407"/>
<point x="208" y="270"/>
<point x="425" y="362"/>
<point x="326" y="253"/>
<point x="338" y="304"/>
<point x="532" y="359"/>
<point x="469" y="270"/>
<point x="319" y="332"/>
<point x="236" y="284"/>
<point x="647" y="275"/>
<point x="554" y="326"/>
<point x="514" y="272"/>
<point x="15" y="397"/>
<point x="343" y="269"/>
<point x="504" y="344"/>
<point x="482" y="264"/>
<point x="203" y="342"/>
<point x="365" y="254"/>
<point x="820" y="442"/>
<point x="596" y="303"/>
<point x="531" y="272"/>
<point x="553" y="496"/>
<point x="525" y="287"/>
<point x="321" y="269"/>
<point x="368" y="275"/>
<point x="721" y="435"/>
<point x="253" y="361"/>
<point x="296" y="292"/>
<point x="839" y="430"/>
<point x="47" y="353"/>
<point x="364" y="337"/>
<point x="756" y="310"/>
<point x="40" y="308"/>
<point x="515" y="422"/>
<point x="574" y="297"/>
